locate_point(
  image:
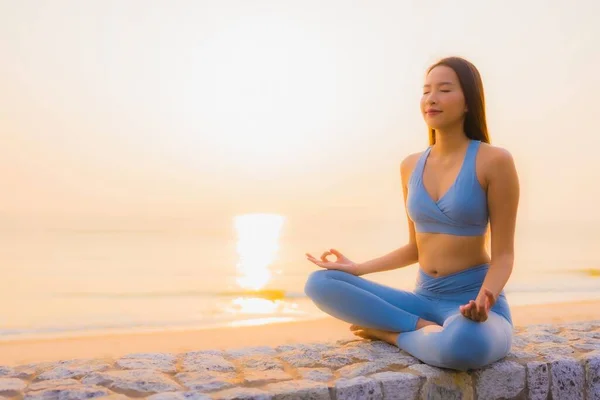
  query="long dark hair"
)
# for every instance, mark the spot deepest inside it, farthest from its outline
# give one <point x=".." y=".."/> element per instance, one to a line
<point x="475" y="125"/>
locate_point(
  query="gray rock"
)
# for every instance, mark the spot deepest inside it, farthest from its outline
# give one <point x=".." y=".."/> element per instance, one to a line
<point x="590" y="335"/>
<point x="502" y="379"/>
<point x="374" y="346"/>
<point x="361" y="369"/>
<point x="444" y="384"/>
<point x="521" y="355"/>
<point x="241" y="393"/>
<point x="53" y="383"/>
<point x="301" y="389"/>
<point x="74" y="369"/>
<point x="6" y="371"/>
<point x="542" y="337"/>
<point x="567" y="379"/>
<point x="251" y="351"/>
<point x="11" y="386"/>
<point x="179" y="396"/>
<point x="164" y="362"/>
<point x="316" y="347"/>
<point x="260" y="363"/>
<point x="360" y="388"/>
<point x="206" y="362"/>
<point x="586" y="346"/>
<point x="579" y="326"/>
<point x="202" y="353"/>
<point x="399" y="385"/>
<point x="336" y="361"/>
<point x="518" y="341"/>
<point x="24" y="372"/>
<point x="139" y="381"/>
<point x="255" y="377"/>
<point x="398" y="359"/>
<point x="551" y="352"/>
<point x="546" y="328"/>
<point x="207" y="381"/>
<point x="303" y="358"/>
<point x="316" y="374"/>
<point x="538" y="380"/>
<point x="69" y="392"/>
<point x="592" y="375"/>
<point x="350" y="352"/>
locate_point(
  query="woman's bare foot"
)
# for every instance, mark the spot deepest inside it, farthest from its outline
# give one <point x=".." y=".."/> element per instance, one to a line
<point x="375" y="334"/>
<point x="387" y="336"/>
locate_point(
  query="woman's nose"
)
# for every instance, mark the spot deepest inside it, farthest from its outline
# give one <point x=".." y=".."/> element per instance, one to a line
<point x="430" y="99"/>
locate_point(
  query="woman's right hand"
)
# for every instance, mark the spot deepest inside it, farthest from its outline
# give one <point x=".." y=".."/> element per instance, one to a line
<point x="341" y="263"/>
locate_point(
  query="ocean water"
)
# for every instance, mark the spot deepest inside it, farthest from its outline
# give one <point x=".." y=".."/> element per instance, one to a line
<point x="59" y="282"/>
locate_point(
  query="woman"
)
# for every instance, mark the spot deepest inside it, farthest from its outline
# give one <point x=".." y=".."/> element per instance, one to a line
<point x="458" y="316"/>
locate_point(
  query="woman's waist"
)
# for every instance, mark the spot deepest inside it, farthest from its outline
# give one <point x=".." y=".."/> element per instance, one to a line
<point x="442" y="260"/>
<point x="466" y="280"/>
<point x="446" y="254"/>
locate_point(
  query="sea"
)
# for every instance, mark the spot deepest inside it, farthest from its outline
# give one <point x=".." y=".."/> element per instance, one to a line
<point x="75" y="282"/>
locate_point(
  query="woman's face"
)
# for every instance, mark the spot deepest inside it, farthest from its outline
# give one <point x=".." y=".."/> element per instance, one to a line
<point x="443" y="101"/>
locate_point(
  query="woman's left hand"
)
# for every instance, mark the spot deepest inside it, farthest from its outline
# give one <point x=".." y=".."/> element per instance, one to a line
<point x="478" y="309"/>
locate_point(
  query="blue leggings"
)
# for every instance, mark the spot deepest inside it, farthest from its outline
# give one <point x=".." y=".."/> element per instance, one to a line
<point x="460" y="344"/>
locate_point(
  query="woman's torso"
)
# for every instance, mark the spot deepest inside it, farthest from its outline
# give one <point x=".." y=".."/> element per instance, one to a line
<point x="442" y="254"/>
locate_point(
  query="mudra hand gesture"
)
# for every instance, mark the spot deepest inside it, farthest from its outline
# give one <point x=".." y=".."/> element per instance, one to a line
<point x="478" y="309"/>
<point x="341" y="263"/>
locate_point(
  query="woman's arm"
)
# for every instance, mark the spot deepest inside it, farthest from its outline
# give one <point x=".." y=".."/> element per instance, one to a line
<point x="503" y="200"/>
<point x="407" y="254"/>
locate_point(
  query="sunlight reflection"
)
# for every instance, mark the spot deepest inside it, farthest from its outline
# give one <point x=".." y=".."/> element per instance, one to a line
<point x="257" y="306"/>
<point x="257" y="247"/>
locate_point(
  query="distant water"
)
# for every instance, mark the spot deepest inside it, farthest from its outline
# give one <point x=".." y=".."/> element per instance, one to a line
<point x="60" y="283"/>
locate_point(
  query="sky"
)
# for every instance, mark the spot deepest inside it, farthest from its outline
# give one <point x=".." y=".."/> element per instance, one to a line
<point x="159" y="113"/>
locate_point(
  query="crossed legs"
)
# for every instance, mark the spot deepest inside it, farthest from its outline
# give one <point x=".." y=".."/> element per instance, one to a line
<point x="402" y="318"/>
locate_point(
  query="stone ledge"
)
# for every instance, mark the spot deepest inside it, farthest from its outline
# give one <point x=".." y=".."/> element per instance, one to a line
<point x="547" y="361"/>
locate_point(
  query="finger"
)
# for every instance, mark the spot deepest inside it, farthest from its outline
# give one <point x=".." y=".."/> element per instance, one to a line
<point x="324" y="256"/>
<point x="466" y="310"/>
<point x="310" y="257"/>
<point x="490" y="297"/>
<point x="336" y="253"/>
<point x="473" y="310"/>
<point x="465" y="313"/>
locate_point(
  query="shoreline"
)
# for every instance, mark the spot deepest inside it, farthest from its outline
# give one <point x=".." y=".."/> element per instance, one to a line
<point x="114" y="345"/>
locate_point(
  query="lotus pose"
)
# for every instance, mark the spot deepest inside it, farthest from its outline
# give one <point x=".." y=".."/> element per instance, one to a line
<point x="458" y="316"/>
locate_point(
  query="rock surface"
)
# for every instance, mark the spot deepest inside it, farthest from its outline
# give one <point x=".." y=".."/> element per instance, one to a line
<point x="546" y="361"/>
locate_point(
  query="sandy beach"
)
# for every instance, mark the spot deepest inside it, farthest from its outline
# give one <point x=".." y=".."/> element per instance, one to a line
<point x="114" y="345"/>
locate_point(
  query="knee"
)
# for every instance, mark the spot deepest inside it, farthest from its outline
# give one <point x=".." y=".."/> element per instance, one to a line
<point x="468" y="346"/>
<point x="318" y="281"/>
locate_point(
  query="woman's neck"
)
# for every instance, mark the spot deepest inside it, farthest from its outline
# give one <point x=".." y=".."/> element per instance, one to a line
<point x="449" y="141"/>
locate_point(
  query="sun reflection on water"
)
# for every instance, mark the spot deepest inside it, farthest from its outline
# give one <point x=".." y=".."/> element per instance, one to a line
<point x="257" y="247"/>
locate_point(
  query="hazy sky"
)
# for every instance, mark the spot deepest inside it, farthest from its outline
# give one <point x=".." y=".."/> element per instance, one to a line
<point x="205" y="109"/>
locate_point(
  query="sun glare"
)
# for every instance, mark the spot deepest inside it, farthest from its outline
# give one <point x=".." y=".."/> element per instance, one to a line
<point x="257" y="247"/>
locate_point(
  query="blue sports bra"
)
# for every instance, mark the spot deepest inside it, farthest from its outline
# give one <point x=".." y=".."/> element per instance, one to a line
<point x="462" y="210"/>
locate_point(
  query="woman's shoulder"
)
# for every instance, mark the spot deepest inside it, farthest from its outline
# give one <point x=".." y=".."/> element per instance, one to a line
<point x="494" y="154"/>
<point x="493" y="158"/>
<point x="411" y="159"/>
<point x="408" y="163"/>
